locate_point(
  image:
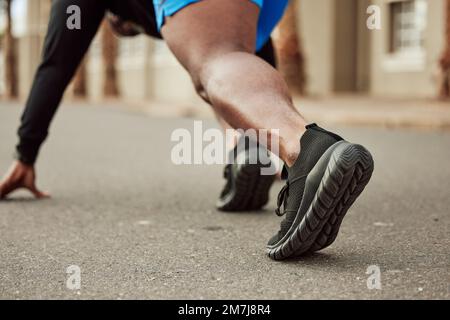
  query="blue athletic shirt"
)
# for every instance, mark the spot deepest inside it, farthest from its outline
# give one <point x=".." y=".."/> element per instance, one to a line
<point x="271" y="13"/>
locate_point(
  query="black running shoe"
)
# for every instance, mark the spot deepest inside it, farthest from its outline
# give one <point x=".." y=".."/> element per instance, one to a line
<point x="326" y="179"/>
<point x="247" y="189"/>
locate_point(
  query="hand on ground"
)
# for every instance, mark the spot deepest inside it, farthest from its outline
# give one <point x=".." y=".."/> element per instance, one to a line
<point x="20" y="176"/>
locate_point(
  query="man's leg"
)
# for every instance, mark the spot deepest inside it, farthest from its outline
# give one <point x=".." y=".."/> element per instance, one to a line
<point x="267" y="53"/>
<point x="246" y="188"/>
<point x="214" y="40"/>
<point x="62" y="53"/>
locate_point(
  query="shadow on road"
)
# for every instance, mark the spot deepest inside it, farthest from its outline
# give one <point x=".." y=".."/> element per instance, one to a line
<point x="20" y="199"/>
<point x="335" y="261"/>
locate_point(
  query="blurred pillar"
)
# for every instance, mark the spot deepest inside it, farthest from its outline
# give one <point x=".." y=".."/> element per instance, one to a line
<point x="10" y="56"/>
<point x="30" y="41"/>
<point x="363" y="50"/>
<point x="80" y="81"/>
<point x="109" y="54"/>
<point x="445" y="59"/>
<point x="291" y="61"/>
<point x="345" y="46"/>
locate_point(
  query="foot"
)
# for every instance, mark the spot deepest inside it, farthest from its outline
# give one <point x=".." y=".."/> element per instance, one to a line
<point x="322" y="184"/>
<point x="246" y="189"/>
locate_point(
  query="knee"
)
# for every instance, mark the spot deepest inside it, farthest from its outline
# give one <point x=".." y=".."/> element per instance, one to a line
<point x="204" y="74"/>
<point x="209" y="69"/>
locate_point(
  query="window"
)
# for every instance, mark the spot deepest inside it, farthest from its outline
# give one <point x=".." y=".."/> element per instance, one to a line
<point x="408" y="24"/>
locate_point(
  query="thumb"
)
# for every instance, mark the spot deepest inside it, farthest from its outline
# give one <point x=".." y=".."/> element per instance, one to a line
<point x="5" y="189"/>
<point x="2" y="193"/>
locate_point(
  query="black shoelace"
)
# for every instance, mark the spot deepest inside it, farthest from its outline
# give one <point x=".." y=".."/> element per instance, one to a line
<point x="283" y="195"/>
<point x="227" y="171"/>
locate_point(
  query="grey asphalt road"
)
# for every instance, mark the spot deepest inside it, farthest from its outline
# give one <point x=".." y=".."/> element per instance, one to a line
<point x="140" y="227"/>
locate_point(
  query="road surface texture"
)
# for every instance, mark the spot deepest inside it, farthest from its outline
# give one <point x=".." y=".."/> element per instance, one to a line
<point x="140" y="227"/>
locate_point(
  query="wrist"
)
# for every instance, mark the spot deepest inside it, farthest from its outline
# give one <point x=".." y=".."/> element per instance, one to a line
<point x="27" y="151"/>
<point x="24" y="160"/>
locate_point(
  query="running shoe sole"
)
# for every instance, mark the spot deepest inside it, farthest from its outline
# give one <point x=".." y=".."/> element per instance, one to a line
<point x="250" y="189"/>
<point x="336" y="181"/>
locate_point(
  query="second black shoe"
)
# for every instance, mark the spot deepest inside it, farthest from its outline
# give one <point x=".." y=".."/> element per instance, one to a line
<point x="323" y="183"/>
<point x="247" y="188"/>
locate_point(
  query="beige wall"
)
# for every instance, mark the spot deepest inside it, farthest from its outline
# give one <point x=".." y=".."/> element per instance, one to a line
<point x="389" y="78"/>
<point x="171" y="83"/>
<point x="316" y="28"/>
<point x="336" y="44"/>
<point x="363" y="48"/>
<point x="342" y="55"/>
<point x="30" y="44"/>
<point x="147" y="70"/>
<point x="132" y="66"/>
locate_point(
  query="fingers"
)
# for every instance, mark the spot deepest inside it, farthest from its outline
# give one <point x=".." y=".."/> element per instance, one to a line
<point x="2" y="194"/>
<point x="38" y="194"/>
<point x="20" y="176"/>
<point x="6" y="189"/>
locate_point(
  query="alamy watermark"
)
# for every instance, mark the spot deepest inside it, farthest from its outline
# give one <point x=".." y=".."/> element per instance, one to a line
<point x="374" y="20"/>
<point x="374" y="280"/>
<point x="74" y="277"/>
<point x="212" y="146"/>
<point x="74" y="20"/>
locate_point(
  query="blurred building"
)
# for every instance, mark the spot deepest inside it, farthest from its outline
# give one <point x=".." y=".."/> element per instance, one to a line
<point x="400" y="59"/>
<point x="146" y="68"/>
<point x="2" y="72"/>
<point x="342" y="54"/>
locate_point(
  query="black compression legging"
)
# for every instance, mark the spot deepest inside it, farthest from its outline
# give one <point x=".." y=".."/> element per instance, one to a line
<point x="62" y="53"/>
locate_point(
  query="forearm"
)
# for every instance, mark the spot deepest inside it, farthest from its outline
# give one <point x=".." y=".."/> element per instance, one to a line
<point x="63" y="51"/>
<point x="43" y="101"/>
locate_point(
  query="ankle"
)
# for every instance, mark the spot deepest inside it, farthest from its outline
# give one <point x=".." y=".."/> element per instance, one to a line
<point x="291" y="158"/>
<point x="291" y="151"/>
